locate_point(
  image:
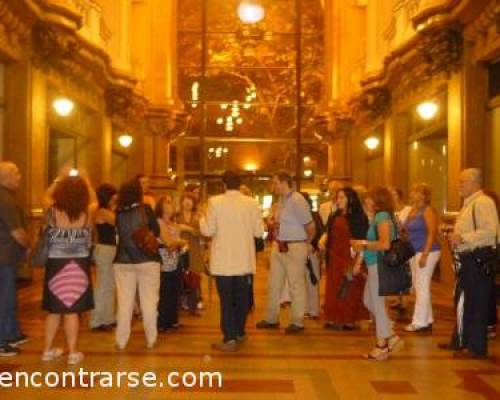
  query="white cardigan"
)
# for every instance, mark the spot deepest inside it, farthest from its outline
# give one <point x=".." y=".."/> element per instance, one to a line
<point x="232" y="220"/>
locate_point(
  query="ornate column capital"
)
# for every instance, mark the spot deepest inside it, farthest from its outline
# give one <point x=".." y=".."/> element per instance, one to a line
<point x="14" y="31"/>
<point x="125" y="107"/>
<point x="372" y="104"/>
<point x="334" y="123"/>
<point x="441" y="50"/>
<point x="53" y="46"/>
<point x="166" y="122"/>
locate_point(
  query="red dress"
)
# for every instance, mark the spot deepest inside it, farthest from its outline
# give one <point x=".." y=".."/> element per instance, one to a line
<point x="348" y="309"/>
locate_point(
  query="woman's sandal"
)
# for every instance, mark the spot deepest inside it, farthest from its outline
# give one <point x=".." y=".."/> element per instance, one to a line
<point x="379" y="353"/>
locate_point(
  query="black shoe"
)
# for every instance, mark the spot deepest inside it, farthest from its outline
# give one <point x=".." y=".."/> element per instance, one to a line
<point x="466" y="354"/>
<point x="241" y="339"/>
<point x="8" y="351"/>
<point x="448" y="346"/>
<point x="102" y="328"/>
<point x="267" y="325"/>
<point x="350" y="327"/>
<point x="18" y="341"/>
<point x="293" y="329"/>
<point x="333" y="327"/>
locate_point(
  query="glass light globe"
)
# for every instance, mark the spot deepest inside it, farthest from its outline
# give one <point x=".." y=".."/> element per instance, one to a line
<point x="125" y="140"/>
<point x="372" y="142"/>
<point x="427" y="110"/>
<point x="63" y="106"/>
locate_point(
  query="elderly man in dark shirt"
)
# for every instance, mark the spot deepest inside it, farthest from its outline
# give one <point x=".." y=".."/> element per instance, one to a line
<point x="14" y="242"/>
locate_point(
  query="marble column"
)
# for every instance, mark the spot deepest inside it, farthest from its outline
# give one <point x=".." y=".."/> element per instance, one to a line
<point x="180" y="162"/>
<point x="332" y="50"/>
<point x="467" y="122"/>
<point x="106" y="148"/>
<point x="124" y="58"/>
<point x="396" y="129"/>
<point x="26" y="139"/>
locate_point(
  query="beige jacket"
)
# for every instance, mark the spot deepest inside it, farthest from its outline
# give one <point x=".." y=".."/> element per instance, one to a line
<point x="232" y="220"/>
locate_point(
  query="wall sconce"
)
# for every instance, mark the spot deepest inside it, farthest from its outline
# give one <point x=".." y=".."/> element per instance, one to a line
<point x="251" y="11"/>
<point x="63" y="106"/>
<point x="308" y="173"/>
<point x="125" y="140"/>
<point x="427" y="110"/>
<point x="372" y="142"/>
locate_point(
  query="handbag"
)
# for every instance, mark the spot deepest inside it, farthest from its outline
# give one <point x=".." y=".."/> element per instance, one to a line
<point x="393" y="279"/>
<point x="401" y="250"/>
<point x="259" y="244"/>
<point x="310" y="270"/>
<point x="191" y="279"/>
<point x="40" y="253"/>
<point x="488" y="258"/>
<point x="145" y="239"/>
<point x="183" y="262"/>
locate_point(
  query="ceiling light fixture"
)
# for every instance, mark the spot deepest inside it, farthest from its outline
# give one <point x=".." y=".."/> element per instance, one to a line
<point x="251" y="11"/>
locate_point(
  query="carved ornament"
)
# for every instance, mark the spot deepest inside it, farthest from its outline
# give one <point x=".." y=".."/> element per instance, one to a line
<point x="124" y="105"/>
<point x="53" y="46"/>
<point x="372" y="104"/>
<point x="14" y="31"/>
<point x="166" y="122"/>
<point x="441" y="50"/>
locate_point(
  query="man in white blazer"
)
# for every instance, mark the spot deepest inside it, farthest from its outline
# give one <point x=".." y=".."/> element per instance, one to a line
<point x="233" y="221"/>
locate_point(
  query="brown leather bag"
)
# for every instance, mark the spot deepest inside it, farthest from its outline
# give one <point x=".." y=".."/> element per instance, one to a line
<point x="191" y="279"/>
<point x="145" y="239"/>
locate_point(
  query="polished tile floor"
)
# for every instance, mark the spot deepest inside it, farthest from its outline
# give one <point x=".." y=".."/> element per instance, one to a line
<point x="315" y="365"/>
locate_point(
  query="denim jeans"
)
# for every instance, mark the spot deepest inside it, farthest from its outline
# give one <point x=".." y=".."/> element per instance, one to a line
<point x="233" y="294"/>
<point x="9" y="326"/>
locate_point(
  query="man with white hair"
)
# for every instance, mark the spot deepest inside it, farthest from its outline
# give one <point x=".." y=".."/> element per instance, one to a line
<point x="474" y="241"/>
<point x="14" y="242"/>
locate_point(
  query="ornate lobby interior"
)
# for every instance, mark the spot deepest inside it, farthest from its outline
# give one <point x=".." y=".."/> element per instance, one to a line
<point x="369" y="92"/>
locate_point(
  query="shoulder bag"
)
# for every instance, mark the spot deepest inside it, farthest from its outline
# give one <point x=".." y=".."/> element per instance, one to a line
<point x="144" y="238"/>
<point x="394" y="279"/>
<point x="40" y="254"/>
<point x="401" y="250"/>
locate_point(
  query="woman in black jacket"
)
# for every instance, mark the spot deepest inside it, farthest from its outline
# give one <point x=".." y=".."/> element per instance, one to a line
<point x="136" y="269"/>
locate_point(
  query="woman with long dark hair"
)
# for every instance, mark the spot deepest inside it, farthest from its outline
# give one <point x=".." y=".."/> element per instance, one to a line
<point x="344" y="290"/>
<point x="67" y="285"/>
<point x="134" y="268"/>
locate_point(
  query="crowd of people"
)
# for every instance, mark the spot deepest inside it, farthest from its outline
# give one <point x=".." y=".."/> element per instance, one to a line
<point x="149" y="256"/>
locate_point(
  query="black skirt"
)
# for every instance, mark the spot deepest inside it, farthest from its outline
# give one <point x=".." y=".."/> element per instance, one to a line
<point x="67" y="287"/>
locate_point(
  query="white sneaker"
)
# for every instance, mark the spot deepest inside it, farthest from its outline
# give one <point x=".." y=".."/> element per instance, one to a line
<point x="52" y="354"/>
<point x="75" y="358"/>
